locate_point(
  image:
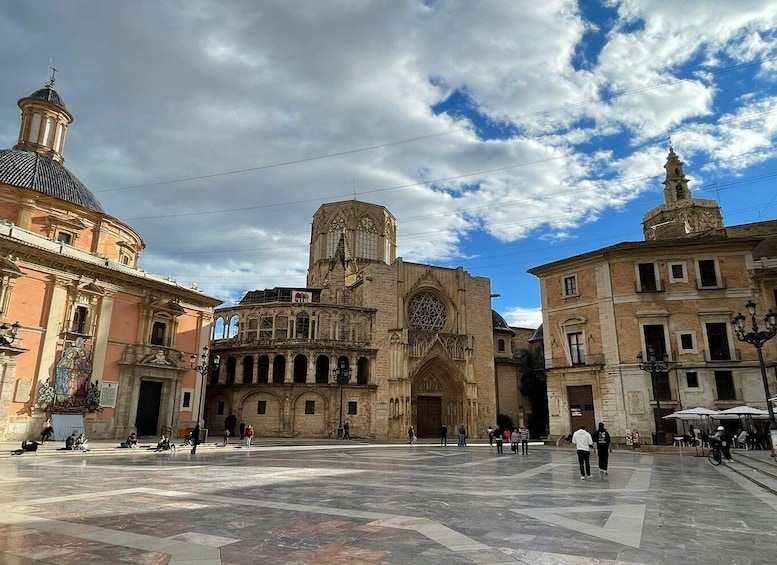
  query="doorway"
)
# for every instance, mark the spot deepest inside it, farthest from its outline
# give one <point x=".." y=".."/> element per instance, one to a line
<point x="581" y="408"/>
<point x="428" y="416"/>
<point x="149" y="400"/>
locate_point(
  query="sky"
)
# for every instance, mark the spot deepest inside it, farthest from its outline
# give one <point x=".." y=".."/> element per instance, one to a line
<point x="501" y="135"/>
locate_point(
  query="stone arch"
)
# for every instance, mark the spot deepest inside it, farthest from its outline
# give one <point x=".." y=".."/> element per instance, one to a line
<point x="322" y="369"/>
<point x="438" y="395"/>
<point x="218" y="329"/>
<point x="269" y="423"/>
<point x="263" y="369"/>
<point x="279" y="369"/>
<point x="311" y="425"/>
<point x="248" y="369"/>
<point x="300" y="369"/>
<point x="214" y="421"/>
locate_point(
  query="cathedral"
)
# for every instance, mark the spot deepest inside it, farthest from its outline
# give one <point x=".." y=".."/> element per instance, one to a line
<point x="87" y="339"/>
<point x="371" y="346"/>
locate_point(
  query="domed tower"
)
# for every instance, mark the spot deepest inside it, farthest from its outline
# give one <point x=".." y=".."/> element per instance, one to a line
<point x="349" y="235"/>
<point x="680" y="215"/>
<point x="45" y="120"/>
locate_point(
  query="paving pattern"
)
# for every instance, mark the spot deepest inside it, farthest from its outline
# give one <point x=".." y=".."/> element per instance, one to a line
<point x="377" y="504"/>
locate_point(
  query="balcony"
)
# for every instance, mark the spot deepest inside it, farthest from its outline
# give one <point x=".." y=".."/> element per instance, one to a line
<point x="589" y="360"/>
<point x="641" y="287"/>
<point x="719" y="284"/>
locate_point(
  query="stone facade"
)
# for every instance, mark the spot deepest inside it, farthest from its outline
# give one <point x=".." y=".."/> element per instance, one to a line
<point x="417" y="340"/>
<point x="675" y="294"/>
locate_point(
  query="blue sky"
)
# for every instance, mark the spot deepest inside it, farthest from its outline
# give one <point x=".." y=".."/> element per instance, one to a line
<point x="501" y="135"/>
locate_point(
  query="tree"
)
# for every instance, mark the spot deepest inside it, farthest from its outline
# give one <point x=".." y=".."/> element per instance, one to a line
<point x="534" y="387"/>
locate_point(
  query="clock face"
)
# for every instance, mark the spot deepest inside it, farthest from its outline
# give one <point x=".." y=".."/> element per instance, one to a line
<point x="426" y="312"/>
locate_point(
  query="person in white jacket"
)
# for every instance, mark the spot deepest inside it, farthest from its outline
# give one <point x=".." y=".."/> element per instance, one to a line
<point x="583" y="443"/>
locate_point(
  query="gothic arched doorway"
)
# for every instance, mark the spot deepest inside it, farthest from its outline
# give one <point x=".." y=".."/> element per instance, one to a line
<point x="438" y="398"/>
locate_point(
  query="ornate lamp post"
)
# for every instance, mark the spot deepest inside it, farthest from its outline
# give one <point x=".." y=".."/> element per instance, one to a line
<point x="8" y="333"/>
<point x="342" y="376"/>
<point x="655" y="367"/>
<point x="202" y="369"/>
<point x="757" y="337"/>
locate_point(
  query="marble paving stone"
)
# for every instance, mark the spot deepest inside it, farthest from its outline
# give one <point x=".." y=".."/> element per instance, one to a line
<point x="379" y="504"/>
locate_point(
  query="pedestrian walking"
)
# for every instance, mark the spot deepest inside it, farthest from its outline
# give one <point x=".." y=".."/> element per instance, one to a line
<point x="411" y="435"/>
<point x="515" y="439"/>
<point x="462" y="436"/>
<point x="524" y="440"/>
<point x="226" y="437"/>
<point x="242" y="430"/>
<point x="248" y="433"/>
<point x="490" y="432"/>
<point x="603" y="447"/>
<point x="583" y="443"/>
<point x="443" y="436"/>
<point x="499" y="440"/>
<point x="346" y="431"/>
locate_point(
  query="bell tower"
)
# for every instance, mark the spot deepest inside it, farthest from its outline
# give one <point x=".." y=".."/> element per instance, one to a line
<point x="680" y="215"/>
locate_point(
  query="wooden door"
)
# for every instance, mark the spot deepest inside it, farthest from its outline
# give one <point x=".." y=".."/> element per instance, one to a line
<point x="581" y="408"/>
<point x="147" y="421"/>
<point x="428" y="416"/>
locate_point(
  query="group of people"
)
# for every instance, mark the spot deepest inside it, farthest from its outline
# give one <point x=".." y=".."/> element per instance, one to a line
<point x="585" y="442"/>
<point x="77" y="442"/>
<point x="518" y="438"/>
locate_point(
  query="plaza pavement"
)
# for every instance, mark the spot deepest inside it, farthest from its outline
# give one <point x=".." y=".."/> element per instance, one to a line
<point x="355" y="503"/>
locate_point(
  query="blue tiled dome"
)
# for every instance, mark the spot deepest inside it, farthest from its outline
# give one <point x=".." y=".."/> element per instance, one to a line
<point x="497" y="321"/>
<point x="28" y="169"/>
<point x="48" y="94"/>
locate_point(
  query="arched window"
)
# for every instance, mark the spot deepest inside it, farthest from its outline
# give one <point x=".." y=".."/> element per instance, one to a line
<point x="278" y="369"/>
<point x="263" y="369"/>
<point x="336" y="228"/>
<point x="363" y="371"/>
<point x="231" y="365"/>
<point x="366" y="240"/>
<point x="218" y="329"/>
<point x="248" y="370"/>
<point x="300" y="369"/>
<point x="302" y="329"/>
<point x="234" y="322"/>
<point x="34" y="128"/>
<point x="51" y="128"/>
<point x="322" y="369"/>
<point x="158" y="332"/>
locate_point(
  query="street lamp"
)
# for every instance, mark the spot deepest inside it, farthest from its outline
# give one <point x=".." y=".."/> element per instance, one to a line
<point x="202" y="369"/>
<point x="757" y="338"/>
<point x="342" y="376"/>
<point x="8" y="333"/>
<point x="655" y="367"/>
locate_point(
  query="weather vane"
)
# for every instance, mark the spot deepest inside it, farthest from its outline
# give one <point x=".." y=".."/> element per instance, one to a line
<point x="53" y="72"/>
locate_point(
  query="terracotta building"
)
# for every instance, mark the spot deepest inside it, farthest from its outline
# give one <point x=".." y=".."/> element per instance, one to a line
<point x="416" y="341"/>
<point x="88" y="339"/>
<point x="672" y="295"/>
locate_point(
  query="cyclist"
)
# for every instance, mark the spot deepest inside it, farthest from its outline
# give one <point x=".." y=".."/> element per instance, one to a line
<point x="724" y="440"/>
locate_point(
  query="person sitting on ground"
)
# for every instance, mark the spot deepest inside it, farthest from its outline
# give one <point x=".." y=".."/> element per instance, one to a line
<point x="70" y="442"/>
<point x="163" y="444"/>
<point x="30" y="445"/>
<point x="132" y="441"/>
<point x="82" y="444"/>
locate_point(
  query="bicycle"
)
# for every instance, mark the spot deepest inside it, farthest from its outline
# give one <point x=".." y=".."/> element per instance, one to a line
<point x="715" y="456"/>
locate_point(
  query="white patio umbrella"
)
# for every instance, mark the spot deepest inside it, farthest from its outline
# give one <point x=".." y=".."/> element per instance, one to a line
<point x="745" y="411"/>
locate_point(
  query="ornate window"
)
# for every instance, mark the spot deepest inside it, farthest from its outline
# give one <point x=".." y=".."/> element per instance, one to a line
<point x="366" y="240"/>
<point x="426" y="312"/>
<point x="333" y="236"/>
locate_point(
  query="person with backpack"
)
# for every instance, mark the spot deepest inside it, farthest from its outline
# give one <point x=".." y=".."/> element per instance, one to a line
<point x="603" y="447"/>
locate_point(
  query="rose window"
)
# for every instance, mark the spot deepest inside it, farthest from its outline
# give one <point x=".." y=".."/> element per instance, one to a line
<point x="426" y="313"/>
